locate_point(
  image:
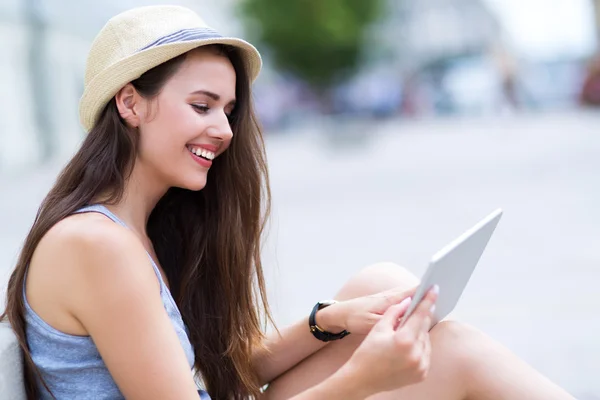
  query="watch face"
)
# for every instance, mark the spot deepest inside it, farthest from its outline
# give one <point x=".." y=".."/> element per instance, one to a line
<point x="326" y="303"/>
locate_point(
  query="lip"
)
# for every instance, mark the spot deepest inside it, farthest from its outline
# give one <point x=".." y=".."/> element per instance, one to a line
<point x="203" y="162"/>
<point x="210" y="147"/>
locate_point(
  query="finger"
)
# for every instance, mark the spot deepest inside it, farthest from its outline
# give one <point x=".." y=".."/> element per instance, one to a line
<point x="427" y="320"/>
<point x="426" y="358"/>
<point x="423" y="345"/>
<point x="426" y="324"/>
<point x="427" y="349"/>
<point x="423" y="341"/>
<point x="393" y="314"/>
<point x="397" y="295"/>
<point x="415" y="321"/>
<point x="373" y="319"/>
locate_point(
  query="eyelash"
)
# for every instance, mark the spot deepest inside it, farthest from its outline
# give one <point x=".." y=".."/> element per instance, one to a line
<point x="200" y="108"/>
<point x="204" y="109"/>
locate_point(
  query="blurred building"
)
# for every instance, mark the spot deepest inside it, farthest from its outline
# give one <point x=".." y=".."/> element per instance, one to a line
<point x="596" y="4"/>
<point x="44" y="44"/>
<point x="485" y="56"/>
<point x="420" y="32"/>
<point x="437" y="56"/>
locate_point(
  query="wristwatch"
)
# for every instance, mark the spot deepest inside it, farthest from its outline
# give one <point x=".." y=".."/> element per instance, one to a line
<point x="319" y="332"/>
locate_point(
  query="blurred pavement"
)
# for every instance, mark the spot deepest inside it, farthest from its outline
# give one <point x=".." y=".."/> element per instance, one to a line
<point x="407" y="191"/>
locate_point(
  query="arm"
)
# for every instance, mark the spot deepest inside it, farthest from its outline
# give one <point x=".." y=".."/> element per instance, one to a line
<point x="296" y="342"/>
<point x="116" y="298"/>
<point x="344" y="384"/>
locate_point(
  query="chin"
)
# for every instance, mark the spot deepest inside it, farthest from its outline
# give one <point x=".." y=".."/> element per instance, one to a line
<point x="193" y="184"/>
<point x="196" y="186"/>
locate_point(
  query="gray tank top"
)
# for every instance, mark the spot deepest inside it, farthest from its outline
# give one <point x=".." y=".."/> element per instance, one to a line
<point x="71" y="365"/>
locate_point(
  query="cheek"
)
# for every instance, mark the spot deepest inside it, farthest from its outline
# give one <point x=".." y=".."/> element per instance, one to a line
<point x="172" y="128"/>
<point x="160" y="140"/>
<point x="174" y="117"/>
<point x="182" y="123"/>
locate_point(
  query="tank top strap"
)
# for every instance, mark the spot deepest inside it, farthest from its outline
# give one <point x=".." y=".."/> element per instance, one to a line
<point x="99" y="208"/>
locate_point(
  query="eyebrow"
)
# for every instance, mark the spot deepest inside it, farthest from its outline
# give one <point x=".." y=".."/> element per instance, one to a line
<point x="212" y="95"/>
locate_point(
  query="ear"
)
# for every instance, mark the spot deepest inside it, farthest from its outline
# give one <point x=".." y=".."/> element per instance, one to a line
<point x="128" y="103"/>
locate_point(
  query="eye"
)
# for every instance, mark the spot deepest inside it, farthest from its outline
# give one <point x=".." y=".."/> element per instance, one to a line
<point x="200" y="108"/>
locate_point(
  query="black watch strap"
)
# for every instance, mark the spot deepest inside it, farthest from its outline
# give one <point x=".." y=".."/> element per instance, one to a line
<point x="319" y="332"/>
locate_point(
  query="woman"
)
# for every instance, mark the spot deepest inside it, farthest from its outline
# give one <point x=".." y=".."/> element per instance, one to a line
<point x="144" y="259"/>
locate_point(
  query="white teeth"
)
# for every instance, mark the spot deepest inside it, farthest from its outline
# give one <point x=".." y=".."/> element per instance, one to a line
<point x="203" y="153"/>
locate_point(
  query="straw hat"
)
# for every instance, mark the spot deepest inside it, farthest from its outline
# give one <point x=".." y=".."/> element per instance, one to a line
<point x="138" y="40"/>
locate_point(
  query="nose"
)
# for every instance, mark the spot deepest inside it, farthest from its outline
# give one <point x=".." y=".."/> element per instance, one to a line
<point x="220" y="129"/>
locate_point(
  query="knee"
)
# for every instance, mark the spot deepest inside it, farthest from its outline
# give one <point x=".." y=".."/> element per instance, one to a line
<point x="377" y="278"/>
<point x="455" y="332"/>
<point x="448" y="331"/>
<point x="459" y="343"/>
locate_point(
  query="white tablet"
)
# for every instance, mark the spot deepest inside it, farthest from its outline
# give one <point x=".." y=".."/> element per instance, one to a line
<point x="451" y="267"/>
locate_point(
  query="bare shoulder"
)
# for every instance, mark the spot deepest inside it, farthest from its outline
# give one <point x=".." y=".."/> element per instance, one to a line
<point x="86" y="242"/>
<point x="94" y="277"/>
<point x="87" y="233"/>
<point x="84" y="257"/>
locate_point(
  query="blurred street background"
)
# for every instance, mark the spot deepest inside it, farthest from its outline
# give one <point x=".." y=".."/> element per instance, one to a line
<point x="392" y="126"/>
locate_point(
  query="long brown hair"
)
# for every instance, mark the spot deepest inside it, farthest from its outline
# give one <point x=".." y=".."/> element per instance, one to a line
<point x="208" y="242"/>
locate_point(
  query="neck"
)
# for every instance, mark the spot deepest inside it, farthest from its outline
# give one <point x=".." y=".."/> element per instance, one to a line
<point x="142" y="192"/>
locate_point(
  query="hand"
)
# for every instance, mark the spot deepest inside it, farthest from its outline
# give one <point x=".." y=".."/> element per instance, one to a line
<point x="359" y="315"/>
<point x="391" y="356"/>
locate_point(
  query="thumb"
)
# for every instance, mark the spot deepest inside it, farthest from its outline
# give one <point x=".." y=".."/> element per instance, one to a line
<point x="393" y="314"/>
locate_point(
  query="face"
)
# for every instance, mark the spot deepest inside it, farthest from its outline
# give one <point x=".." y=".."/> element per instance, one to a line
<point x="187" y="126"/>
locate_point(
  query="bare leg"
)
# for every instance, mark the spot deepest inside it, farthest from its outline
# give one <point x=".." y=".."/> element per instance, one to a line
<point x="466" y="364"/>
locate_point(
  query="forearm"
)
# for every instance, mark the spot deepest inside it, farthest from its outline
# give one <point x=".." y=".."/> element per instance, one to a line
<point x="296" y="343"/>
<point x="345" y="384"/>
<point x="282" y="352"/>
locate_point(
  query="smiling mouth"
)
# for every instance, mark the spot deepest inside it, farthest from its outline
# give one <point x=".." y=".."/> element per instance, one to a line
<point x="202" y="153"/>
